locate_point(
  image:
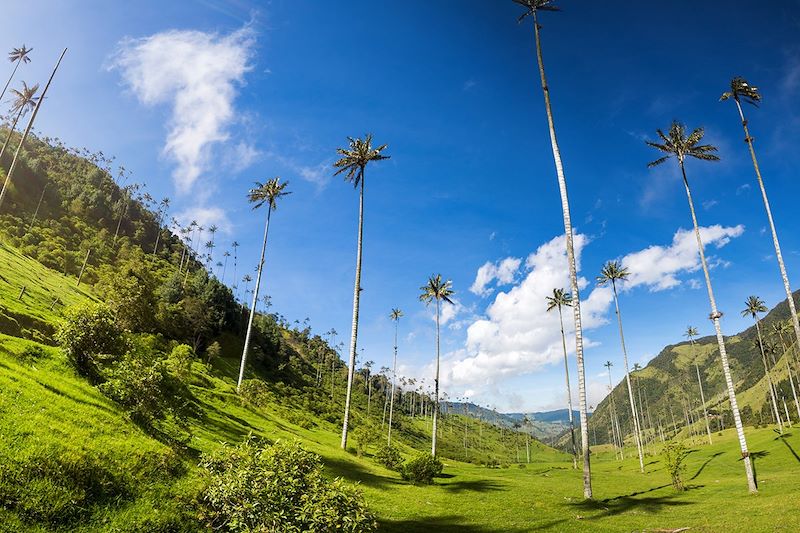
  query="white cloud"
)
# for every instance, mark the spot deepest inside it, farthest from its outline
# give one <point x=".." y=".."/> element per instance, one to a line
<point x="502" y="272"/>
<point x="197" y="74"/>
<point x="518" y="336"/>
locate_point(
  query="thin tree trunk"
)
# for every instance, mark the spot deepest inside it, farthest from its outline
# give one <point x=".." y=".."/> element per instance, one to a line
<point x="775" y="242"/>
<point x="255" y="301"/>
<point x="436" y="386"/>
<point x="13" y="128"/>
<point x="83" y="267"/>
<point x="13" y="72"/>
<point x="28" y="129"/>
<point x="702" y="394"/>
<point x="636" y="431"/>
<point x="576" y="306"/>
<point x="38" y="205"/>
<point x="356" y="301"/>
<point x="394" y="384"/>
<point x="791" y="382"/>
<point x="715" y="316"/>
<point x="772" y="394"/>
<point x="569" y="392"/>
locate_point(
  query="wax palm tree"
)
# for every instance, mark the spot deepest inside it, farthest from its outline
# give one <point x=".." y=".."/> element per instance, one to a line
<point x="679" y="145"/>
<point x="780" y="329"/>
<point x="235" y="246"/>
<point x="438" y="291"/>
<point x="532" y="8"/>
<point x="741" y="91"/>
<point x="28" y="128"/>
<point x="560" y="299"/>
<point x="615" y="433"/>
<point x="24" y="100"/>
<point x="16" y="56"/>
<point x="353" y="164"/>
<point x="226" y="255"/>
<point x="691" y="334"/>
<point x="612" y="273"/>
<point x="162" y="211"/>
<point x="395" y="315"/>
<point x="263" y="193"/>
<point x="753" y="306"/>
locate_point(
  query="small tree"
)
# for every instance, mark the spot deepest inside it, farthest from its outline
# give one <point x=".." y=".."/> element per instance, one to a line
<point x="675" y="453"/>
<point x="89" y="329"/>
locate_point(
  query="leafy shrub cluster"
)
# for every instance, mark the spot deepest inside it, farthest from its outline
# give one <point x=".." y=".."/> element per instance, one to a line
<point x="256" y="392"/>
<point x="279" y="488"/>
<point x="88" y="332"/>
<point x="365" y="435"/>
<point x="389" y="456"/>
<point x="422" y="469"/>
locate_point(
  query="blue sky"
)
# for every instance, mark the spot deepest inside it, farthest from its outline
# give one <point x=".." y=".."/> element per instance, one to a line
<point x="273" y="88"/>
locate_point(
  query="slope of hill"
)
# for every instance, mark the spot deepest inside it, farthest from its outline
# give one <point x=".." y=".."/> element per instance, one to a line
<point x="668" y="391"/>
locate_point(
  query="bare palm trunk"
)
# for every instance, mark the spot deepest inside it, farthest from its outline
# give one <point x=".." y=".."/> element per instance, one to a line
<point x="749" y="140"/>
<point x="569" y="392"/>
<point x="715" y="316"/>
<point x="636" y="430"/>
<point x="773" y="396"/>
<point x="28" y="129"/>
<point x="573" y="274"/>
<point x="356" y="301"/>
<point x="702" y="396"/>
<point x="394" y="384"/>
<point x="38" y="205"/>
<point x="11" y="131"/>
<point x="5" y="88"/>
<point x="436" y="386"/>
<point x="255" y="301"/>
<point x="83" y="267"/>
<point x="787" y="356"/>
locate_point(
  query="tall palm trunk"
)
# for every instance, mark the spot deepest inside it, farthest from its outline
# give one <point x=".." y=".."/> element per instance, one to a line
<point x="356" y="301"/>
<point x="636" y="430"/>
<point x="5" y="88"/>
<point x="394" y="384"/>
<point x="569" y="392"/>
<point x="573" y="274"/>
<point x="436" y="386"/>
<point x="723" y="355"/>
<point x="778" y="255"/>
<point x="702" y="394"/>
<point x="28" y="129"/>
<point x="773" y="396"/>
<point x="255" y="301"/>
<point x="38" y="206"/>
<point x="787" y="356"/>
<point x="12" y="130"/>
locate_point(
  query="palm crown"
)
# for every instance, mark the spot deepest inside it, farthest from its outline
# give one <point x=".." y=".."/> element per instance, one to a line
<point x="355" y="158"/>
<point x="396" y="314"/>
<point x="677" y="144"/>
<point x="20" y="54"/>
<point x="560" y="298"/>
<point x="612" y="272"/>
<point x="742" y="91"/>
<point x="268" y="193"/>
<point x="24" y="99"/>
<point x="753" y="306"/>
<point x="532" y="6"/>
<point x="436" y="289"/>
<point x="691" y="332"/>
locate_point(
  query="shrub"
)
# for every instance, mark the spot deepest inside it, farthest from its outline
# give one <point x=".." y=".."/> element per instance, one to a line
<point x="255" y="392"/>
<point x="422" y="469"/>
<point x="365" y="436"/>
<point x="390" y="457"/>
<point x="31" y="353"/>
<point x="87" y="331"/>
<point x="675" y="453"/>
<point x="278" y="488"/>
<point x="180" y="361"/>
<point x="213" y="352"/>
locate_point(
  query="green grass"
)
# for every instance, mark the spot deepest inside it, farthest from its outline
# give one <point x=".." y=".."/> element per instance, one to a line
<point x="51" y="415"/>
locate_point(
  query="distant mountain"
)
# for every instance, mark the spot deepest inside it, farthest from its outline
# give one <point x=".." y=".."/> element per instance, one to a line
<point x="544" y="425"/>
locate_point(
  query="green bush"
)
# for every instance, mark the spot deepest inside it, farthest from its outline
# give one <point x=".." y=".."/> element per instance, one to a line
<point x="213" y="352"/>
<point x="675" y="453"/>
<point x="422" y="469"/>
<point x="365" y="435"/>
<point x="256" y="392"/>
<point x="31" y="353"/>
<point x="279" y="488"/>
<point x="390" y="457"/>
<point x="87" y="331"/>
<point x="180" y="361"/>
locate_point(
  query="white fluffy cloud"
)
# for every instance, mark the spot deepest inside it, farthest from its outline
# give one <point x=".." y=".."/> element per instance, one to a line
<point x="198" y="75"/>
<point x="517" y="335"/>
<point x="502" y="272"/>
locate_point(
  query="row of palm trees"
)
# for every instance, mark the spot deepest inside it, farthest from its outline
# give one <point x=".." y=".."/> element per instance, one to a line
<point x="679" y="144"/>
